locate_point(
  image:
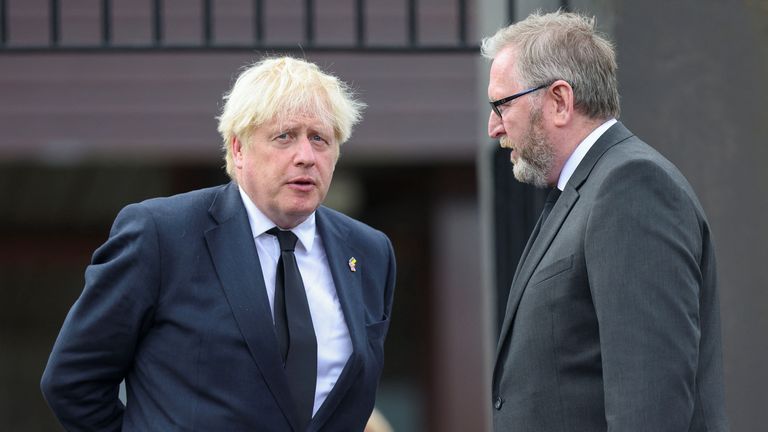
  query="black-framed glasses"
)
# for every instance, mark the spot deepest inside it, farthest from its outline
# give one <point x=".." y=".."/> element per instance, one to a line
<point x="497" y="103"/>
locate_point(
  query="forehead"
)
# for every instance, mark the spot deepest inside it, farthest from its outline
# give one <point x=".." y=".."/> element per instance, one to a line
<point x="299" y="120"/>
<point x="503" y="75"/>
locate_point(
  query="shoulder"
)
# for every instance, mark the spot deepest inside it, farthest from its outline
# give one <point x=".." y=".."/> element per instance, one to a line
<point x="187" y="200"/>
<point x="342" y="219"/>
<point x="634" y="177"/>
<point x="634" y="161"/>
<point x="349" y="227"/>
<point x="196" y="200"/>
<point x="180" y="209"/>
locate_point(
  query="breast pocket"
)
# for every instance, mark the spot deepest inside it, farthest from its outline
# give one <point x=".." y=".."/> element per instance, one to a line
<point x="552" y="270"/>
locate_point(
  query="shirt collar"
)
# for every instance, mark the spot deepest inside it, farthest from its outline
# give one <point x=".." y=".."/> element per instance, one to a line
<point x="260" y="223"/>
<point x="581" y="151"/>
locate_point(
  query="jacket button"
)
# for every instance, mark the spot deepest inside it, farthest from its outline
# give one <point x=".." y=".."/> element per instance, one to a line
<point x="498" y="402"/>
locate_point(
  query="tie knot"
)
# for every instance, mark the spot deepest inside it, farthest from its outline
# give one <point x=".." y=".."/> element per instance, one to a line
<point x="287" y="239"/>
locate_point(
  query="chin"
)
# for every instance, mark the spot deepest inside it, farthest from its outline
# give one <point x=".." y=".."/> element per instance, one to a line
<point x="526" y="173"/>
<point x="302" y="210"/>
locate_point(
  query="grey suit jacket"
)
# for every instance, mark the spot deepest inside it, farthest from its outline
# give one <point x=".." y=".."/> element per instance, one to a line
<point x="612" y="322"/>
<point x="174" y="303"/>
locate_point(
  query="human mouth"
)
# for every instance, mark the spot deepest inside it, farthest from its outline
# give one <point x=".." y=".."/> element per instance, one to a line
<point x="505" y="142"/>
<point x="302" y="183"/>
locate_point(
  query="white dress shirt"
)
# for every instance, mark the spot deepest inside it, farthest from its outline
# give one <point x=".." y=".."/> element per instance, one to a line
<point x="581" y="150"/>
<point x="334" y="345"/>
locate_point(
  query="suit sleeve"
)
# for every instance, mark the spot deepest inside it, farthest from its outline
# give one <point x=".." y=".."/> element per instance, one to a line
<point x="389" y="292"/>
<point x="643" y="249"/>
<point x="96" y="344"/>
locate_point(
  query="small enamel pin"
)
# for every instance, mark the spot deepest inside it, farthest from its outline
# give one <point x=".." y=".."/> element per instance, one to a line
<point x="352" y="264"/>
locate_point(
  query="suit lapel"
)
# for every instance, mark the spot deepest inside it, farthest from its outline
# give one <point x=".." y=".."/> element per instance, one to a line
<point x="526" y="251"/>
<point x="539" y="244"/>
<point x="349" y="289"/>
<point x="237" y="264"/>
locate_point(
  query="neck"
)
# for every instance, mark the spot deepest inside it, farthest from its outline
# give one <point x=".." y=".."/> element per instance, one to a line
<point x="569" y="137"/>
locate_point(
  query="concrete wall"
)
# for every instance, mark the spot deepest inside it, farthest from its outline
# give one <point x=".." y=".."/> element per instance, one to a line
<point x="692" y="79"/>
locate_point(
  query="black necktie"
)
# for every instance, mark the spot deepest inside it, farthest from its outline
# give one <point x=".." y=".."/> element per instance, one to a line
<point x="554" y="194"/>
<point x="293" y="325"/>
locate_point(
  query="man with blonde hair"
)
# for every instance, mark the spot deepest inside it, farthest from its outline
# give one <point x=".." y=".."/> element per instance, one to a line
<point x="243" y="307"/>
<point x="612" y="321"/>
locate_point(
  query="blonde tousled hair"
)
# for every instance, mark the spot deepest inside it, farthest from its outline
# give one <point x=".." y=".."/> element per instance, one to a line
<point x="278" y="88"/>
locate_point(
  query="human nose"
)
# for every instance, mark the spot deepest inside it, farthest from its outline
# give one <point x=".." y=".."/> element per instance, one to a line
<point x="495" y="126"/>
<point x="305" y="153"/>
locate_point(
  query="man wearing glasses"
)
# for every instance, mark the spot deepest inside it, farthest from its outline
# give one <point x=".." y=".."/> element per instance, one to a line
<point x="612" y="321"/>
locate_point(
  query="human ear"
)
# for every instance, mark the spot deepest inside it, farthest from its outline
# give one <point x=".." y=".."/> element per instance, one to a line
<point x="236" y="147"/>
<point x="562" y="97"/>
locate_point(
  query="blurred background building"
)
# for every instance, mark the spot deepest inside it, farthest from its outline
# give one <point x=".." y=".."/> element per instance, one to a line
<point x="108" y="102"/>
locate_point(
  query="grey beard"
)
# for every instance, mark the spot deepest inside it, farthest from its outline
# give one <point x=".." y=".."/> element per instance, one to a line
<point x="536" y="155"/>
<point x="528" y="173"/>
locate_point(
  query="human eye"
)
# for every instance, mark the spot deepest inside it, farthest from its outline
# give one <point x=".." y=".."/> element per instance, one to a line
<point x="282" y="137"/>
<point x="319" y="140"/>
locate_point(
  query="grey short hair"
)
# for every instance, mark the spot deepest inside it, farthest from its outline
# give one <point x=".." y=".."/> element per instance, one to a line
<point x="563" y="45"/>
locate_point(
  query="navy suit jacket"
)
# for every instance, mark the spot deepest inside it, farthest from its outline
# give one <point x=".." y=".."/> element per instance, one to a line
<point x="174" y="303"/>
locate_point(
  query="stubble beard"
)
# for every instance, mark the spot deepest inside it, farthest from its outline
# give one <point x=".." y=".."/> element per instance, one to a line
<point x="535" y="154"/>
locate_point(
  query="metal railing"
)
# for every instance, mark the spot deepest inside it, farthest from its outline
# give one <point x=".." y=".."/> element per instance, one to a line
<point x="359" y="40"/>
